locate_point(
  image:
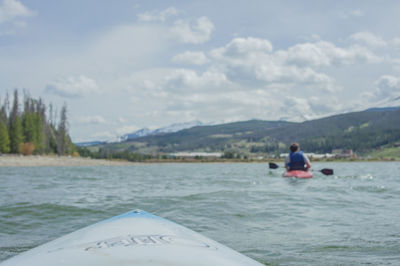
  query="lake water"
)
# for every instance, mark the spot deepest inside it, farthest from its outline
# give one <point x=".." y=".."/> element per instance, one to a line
<point x="350" y="218"/>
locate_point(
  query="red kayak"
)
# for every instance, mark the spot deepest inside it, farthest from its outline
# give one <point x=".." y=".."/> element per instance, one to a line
<point x="298" y="174"/>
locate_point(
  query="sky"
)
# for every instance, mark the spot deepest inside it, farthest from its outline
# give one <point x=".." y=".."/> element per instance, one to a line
<point x="125" y="65"/>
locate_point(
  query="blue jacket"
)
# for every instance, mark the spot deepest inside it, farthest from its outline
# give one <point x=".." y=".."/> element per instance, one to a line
<point x="297" y="161"/>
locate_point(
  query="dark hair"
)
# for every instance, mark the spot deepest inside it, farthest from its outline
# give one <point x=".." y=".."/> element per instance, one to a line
<point x="294" y="147"/>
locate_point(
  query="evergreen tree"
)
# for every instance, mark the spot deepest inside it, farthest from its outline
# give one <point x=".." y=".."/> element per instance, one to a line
<point x="31" y="128"/>
<point x="38" y="139"/>
<point x="34" y="122"/>
<point x="4" y="139"/>
<point x="3" y="114"/>
<point x="4" y="136"/>
<point x="16" y="135"/>
<point x="14" y="111"/>
<point x="15" y="126"/>
<point x="27" y="120"/>
<point x="29" y="125"/>
<point x="5" y="109"/>
<point x="62" y="132"/>
<point x="41" y="128"/>
<point x="52" y="139"/>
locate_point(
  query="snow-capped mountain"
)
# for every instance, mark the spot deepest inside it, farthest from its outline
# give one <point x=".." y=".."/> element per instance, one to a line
<point x="137" y="134"/>
<point x="169" y="129"/>
<point x="178" y="126"/>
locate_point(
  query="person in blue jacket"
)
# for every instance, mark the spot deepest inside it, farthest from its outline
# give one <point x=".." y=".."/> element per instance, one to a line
<point x="297" y="160"/>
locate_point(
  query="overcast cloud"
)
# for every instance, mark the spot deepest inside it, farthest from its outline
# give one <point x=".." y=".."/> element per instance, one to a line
<point x="151" y="64"/>
<point x="13" y="9"/>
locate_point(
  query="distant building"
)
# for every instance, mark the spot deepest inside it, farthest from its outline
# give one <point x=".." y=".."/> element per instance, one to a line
<point x="320" y="156"/>
<point x="312" y="155"/>
<point x="341" y="153"/>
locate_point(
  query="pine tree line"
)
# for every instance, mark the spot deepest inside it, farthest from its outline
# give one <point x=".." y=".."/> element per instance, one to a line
<point x="33" y="129"/>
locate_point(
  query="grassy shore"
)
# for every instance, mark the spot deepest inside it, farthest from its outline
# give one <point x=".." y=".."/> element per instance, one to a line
<point x="54" y="160"/>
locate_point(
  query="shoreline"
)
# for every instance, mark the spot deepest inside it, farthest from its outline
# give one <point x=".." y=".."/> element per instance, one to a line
<point x="54" y="160"/>
<point x="15" y="160"/>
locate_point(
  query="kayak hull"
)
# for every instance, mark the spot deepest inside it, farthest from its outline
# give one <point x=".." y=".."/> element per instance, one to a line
<point x="298" y="174"/>
<point x="133" y="238"/>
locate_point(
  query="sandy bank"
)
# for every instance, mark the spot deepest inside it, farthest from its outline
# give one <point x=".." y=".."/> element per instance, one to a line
<point x="16" y="160"/>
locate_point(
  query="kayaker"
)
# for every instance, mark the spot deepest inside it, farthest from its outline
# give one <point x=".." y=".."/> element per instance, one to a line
<point x="297" y="160"/>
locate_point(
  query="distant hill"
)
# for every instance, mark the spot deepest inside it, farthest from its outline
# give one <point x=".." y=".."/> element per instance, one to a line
<point x="360" y="131"/>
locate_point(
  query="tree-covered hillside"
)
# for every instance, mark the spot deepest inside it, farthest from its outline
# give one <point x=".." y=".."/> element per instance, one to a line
<point x="201" y="138"/>
<point x="361" y="131"/>
<point x="33" y="129"/>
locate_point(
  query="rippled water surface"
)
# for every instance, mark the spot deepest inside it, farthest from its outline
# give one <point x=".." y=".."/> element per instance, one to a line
<point x="350" y="218"/>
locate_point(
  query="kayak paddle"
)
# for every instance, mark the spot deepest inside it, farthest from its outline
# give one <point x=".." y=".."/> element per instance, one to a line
<point x="325" y="171"/>
<point x="273" y="165"/>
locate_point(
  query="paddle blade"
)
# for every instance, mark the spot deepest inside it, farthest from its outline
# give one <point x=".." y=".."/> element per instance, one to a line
<point x="273" y="165"/>
<point x="327" y="171"/>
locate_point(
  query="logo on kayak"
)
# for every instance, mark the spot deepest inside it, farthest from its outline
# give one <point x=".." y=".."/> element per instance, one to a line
<point x="145" y="240"/>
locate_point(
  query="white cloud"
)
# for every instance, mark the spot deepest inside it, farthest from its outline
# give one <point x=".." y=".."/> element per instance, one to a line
<point x="73" y="87"/>
<point x="104" y="135"/>
<point x="386" y="93"/>
<point x="252" y="59"/>
<point x="223" y="105"/>
<point x="145" y="83"/>
<point x="113" y="135"/>
<point x="240" y="47"/>
<point x="90" y="120"/>
<point x="188" y="80"/>
<point x="244" y="105"/>
<point x="125" y="130"/>
<point x="158" y="16"/>
<point x="369" y="39"/>
<point x="396" y="41"/>
<point x="307" y="108"/>
<point x="128" y="45"/>
<point x="198" y="33"/>
<point x="293" y="74"/>
<point x="188" y="57"/>
<point x="12" y="9"/>
<point x="387" y="87"/>
<point x="297" y="109"/>
<point x="246" y="79"/>
<point x="356" y="13"/>
<point x="324" y="53"/>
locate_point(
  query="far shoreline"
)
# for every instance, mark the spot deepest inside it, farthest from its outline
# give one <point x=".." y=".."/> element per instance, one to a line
<point x="15" y="160"/>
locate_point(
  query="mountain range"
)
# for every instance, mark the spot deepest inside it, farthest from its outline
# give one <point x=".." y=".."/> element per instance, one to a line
<point x="361" y="131"/>
<point x="169" y="129"/>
